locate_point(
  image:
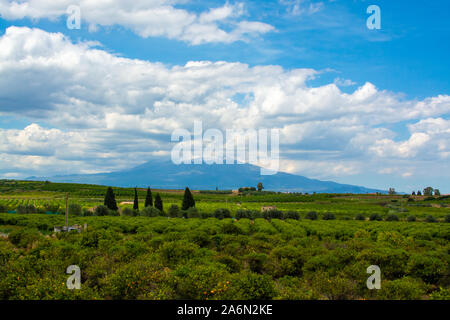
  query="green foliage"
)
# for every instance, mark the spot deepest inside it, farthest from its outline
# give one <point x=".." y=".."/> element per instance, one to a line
<point x="51" y="207"/>
<point x="193" y="212"/>
<point x="273" y="214"/>
<point x="428" y="191"/>
<point x="447" y="218"/>
<point x="430" y="218"/>
<point x="159" y="203"/>
<point x="256" y="261"/>
<point x="334" y="287"/>
<point x="431" y="269"/>
<point x="285" y="261"/>
<point x="360" y="217"/>
<point x="375" y="217"/>
<point x="24" y="238"/>
<point x="402" y="289"/>
<point x="174" y="211"/>
<point x="311" y="215"/>
<point x="411" y="218"/>
<point x="101" y="211"/>
<point x="150" y="212"/>
<point x="188" y="200"/>
<point x="260" y="186"/>
<point x="75" y="210"/>
<point x="136" y="201"/>
<point x="292" y="215"/>
<point x="222" y="213"/>
<point x="391" y="217"/>
<point x="251" y="286"/>
<point x="148" y="198"/>
<point x="250" y="258"/>
<point x="128" y="212"/>
<point x="329" y="216"/>
<point x="243" y="214"/>
<point x="29" y="208"/>
<point x="110" y="199"/>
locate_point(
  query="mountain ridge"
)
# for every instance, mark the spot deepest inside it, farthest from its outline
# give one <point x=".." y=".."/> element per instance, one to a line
<point x="166" y="175"/>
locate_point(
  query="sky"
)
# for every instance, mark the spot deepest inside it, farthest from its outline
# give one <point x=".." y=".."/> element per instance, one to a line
<point x="353" y="105"/>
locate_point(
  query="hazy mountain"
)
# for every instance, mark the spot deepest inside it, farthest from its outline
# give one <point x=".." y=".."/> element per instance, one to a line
<point x="166" y="175"/>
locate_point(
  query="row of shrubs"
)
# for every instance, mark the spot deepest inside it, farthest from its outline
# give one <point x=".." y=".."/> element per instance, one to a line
<point x="175" y="212"/>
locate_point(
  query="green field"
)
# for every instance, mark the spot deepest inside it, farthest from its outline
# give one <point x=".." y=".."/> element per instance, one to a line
<point x="139" y="257"/>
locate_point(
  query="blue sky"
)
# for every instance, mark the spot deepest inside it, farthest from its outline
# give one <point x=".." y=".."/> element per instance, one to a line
<point x="402" y="66"/>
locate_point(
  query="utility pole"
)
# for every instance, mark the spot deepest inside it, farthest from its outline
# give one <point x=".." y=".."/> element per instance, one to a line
<point x="67" y="210"/>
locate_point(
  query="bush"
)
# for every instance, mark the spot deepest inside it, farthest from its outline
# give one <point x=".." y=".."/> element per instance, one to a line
<point x="411" y="218"/>
<point x="312" y="215"/>
<point x="51" y="207"/>
<point x="101" y="210"/>
<point x="391" y="217"/>
<point x="222" y="214"/>
<point x="360" y="216"/>
<point x="255" y="214"/>
<point x="206" y="215"/>
<point x="429" y="268"/>
<point x="192" y="212"/>
<point x="150" y="212"/>
<point x="334" y="288"/>
<point x="87" y="213"/>
<point x="402" y="289"/>
<point x="375" y="217"/>
<point x="75" y="210"/>
<point x="24" y="237"/>
<point x="329" y="216"/>
<point x="128" y="212"/>
<point x="292" y="215"/>
<point x="177" y="252"/>
<point x="233" y="265"/>
<point x="286" y="260"/>
<point x="231" y="228"/>
<point x="346" y="218"/>
<point x="242" y="214"/>
<point x="3" y="208"/>
<point x="174" y="211"/>
<point x="256" y="261"/>
<point x="272" y="214"/>
<point x="29" y="208"/>
<point x="251" y="286"/>
<point x="430" y="218"/>
<point x="447" y="218"/>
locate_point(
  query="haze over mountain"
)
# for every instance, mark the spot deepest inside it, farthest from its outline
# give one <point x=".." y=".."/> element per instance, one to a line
<point x="166" y="175"/>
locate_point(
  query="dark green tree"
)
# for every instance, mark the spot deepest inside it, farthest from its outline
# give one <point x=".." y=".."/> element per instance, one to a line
<point x="136" y="200"/>
<point x="158" y="202"/>
<point x="260" y="186"/>
<point x="188" y="200"/>
<point x="419" y="193"/>
<point x="428" y="191"/>
<point x="437" y="192"/>
<point x="149" y="198"/>
<point x="110" y="199"/>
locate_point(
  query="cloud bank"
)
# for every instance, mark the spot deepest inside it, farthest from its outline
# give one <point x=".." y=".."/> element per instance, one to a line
<point x="147" y="18"/>
<point x="93" y="111"/>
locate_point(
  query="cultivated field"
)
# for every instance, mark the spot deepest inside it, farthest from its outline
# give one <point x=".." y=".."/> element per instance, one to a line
<point x="310" y="247"/>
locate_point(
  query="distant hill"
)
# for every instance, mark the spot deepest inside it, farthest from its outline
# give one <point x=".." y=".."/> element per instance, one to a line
<point x="166" y="175"/>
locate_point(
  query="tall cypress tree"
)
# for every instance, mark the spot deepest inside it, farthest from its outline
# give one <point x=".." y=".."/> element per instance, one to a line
<point x="188" y="200"/>
<point x="136" y="200"/>
<point x="148" y="198"/>
<point x="110" y="199"/>
<point x="158" y="202"/>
